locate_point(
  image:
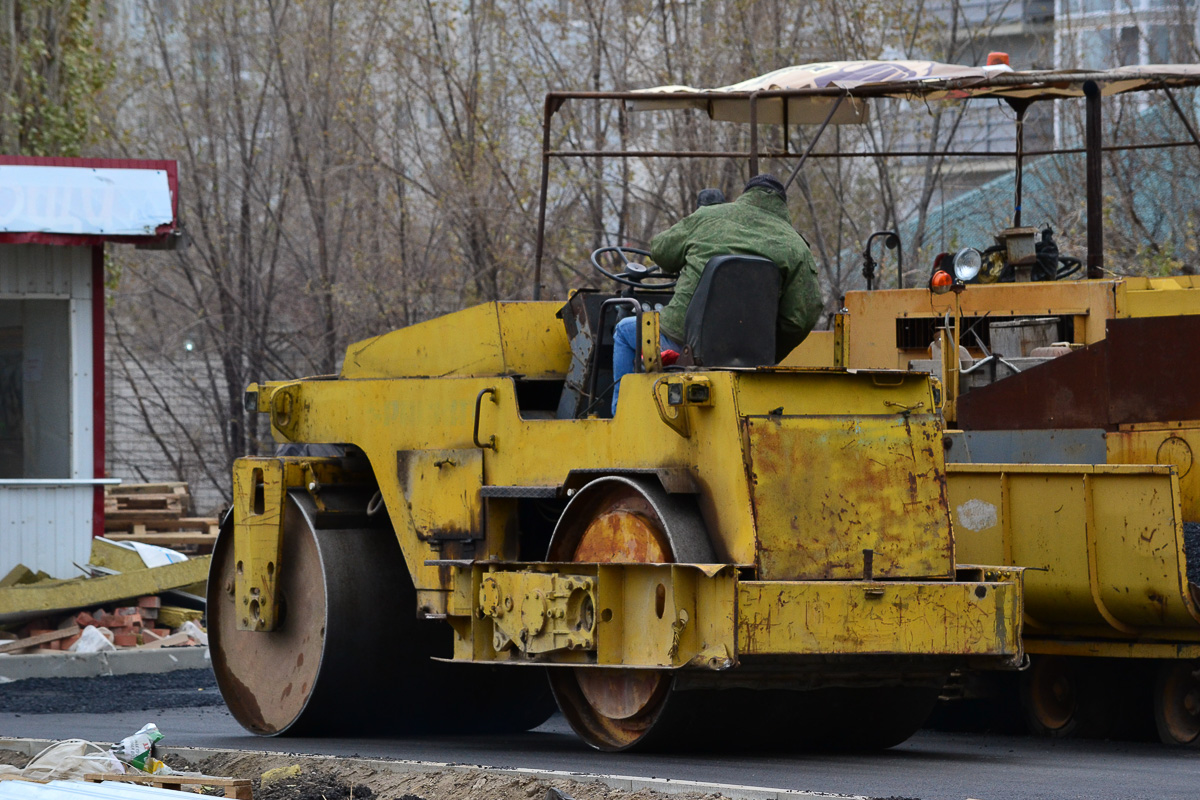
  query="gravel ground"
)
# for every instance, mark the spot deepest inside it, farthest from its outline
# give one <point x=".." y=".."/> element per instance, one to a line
<point x="1191" y="547"/>
<point x="185" y="688"/>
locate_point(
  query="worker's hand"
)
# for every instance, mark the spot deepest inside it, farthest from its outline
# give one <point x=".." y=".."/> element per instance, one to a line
<point x="669" y="357"/>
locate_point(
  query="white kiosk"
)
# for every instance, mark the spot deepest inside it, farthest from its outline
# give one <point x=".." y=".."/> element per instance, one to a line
<point x="56" y="214"/>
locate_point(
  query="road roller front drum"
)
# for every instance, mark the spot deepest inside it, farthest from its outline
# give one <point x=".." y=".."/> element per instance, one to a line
<point x="350" y="655"/>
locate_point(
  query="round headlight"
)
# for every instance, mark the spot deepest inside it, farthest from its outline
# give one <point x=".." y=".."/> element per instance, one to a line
<point x="967" y="263"/>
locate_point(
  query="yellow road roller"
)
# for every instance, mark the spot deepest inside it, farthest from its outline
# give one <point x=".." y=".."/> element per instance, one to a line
<point x="767" y="544"/>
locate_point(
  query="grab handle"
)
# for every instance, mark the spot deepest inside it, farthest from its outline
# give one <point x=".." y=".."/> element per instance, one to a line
<point x="491" y="442"/>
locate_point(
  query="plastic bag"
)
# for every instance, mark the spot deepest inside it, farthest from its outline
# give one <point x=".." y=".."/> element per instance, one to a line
<point x="156" y="767"/>
<point x="193" y="630"/>
<point x="92" y="640"/>
<point x="67" y="760"/>
<point x="135" y="750"/>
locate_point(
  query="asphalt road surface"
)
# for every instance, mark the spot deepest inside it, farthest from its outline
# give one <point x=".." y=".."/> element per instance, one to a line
<point x="931" y="765"/>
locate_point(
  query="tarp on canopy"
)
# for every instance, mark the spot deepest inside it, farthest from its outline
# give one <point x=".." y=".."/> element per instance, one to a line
<point x="810" y="90"/>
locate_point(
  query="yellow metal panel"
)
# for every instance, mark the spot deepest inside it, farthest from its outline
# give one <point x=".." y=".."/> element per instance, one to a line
<point x="441" y="489"/>
<point x="879" y="618"/>
<point x="642" y="615"/>
<point x="828" y="487"/>
<point x="680" y="614"/>
<point x="815" y="351"/>
<point x="874" y="315"/>
<point x="534" y="340"/>
<point x="832" y="391"/>
<point x="258" y="496"/>
<point x="1105" y="542"/>
<point x="1177" y="446"/>
<point x="493" y="339"/>
<point x="1161" y="297"/>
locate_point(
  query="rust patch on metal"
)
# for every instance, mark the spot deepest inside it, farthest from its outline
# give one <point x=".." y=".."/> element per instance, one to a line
<point x="1131" y="376"/>
<point x="618" y="694"/>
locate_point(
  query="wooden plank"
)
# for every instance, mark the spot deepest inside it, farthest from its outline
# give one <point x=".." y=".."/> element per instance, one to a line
<point x="47" y="597"/>
<point x="237" y="788"/>
<point x="41" y="638"/>
<point x="175" y="616"/>
<point x="165" y="539"/>
<point x="139" y="488"/>
<point x="182" y="524"/>
<point x="166" y="641"/>
<point x="123" y="519"/>
<point x="144" y="501"/>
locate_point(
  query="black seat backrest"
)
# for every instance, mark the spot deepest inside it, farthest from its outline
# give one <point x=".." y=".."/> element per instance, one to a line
<point x="730" y="321"/>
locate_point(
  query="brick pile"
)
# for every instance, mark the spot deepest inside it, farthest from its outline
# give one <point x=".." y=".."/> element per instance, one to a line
<point x="145" y="624"/>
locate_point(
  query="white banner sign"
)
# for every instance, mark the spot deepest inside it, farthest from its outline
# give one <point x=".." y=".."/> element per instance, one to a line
<point x="83" y="200"/>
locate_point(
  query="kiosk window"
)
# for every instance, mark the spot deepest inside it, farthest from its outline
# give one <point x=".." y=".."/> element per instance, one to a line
<point x="35" y="389"/>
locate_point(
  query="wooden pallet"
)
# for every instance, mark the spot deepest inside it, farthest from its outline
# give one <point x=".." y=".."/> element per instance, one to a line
<point x="237" y="788"/>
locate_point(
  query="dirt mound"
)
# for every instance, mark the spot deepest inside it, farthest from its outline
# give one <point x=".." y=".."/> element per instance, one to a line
<point x="312" y="786"/>
<point x="334" y="779"/>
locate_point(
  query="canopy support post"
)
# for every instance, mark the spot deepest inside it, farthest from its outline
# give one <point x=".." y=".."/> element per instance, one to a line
<point x="1095" y="197"/>
<point x="753" y="134"/>
<point x="552" y="105"/>
<point x="813" y="143"/>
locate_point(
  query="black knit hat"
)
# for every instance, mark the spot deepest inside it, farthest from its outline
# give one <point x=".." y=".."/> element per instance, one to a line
<point x="768" y="182"/>
<point x="710" y="197"/>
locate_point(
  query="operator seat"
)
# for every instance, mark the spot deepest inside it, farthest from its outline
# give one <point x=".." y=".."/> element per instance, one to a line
<point x="730" y="320"/>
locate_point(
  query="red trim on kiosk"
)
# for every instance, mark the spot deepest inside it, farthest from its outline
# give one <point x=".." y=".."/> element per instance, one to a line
<point x="35" y="237"/>
<point x="98" y="387"/>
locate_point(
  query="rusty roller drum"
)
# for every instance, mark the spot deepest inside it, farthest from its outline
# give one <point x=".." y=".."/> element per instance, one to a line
<point x="350" y="655"/>
<point x="623" y="520"/>
<point x="633" y="520"/>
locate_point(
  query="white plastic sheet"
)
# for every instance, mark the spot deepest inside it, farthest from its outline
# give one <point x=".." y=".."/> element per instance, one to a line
<point x="84" y="200"/>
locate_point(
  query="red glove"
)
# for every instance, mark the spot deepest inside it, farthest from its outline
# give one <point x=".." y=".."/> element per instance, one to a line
<point x="669" y="357"/>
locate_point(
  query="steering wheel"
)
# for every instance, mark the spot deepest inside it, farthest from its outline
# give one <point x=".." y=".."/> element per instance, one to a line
<point x="634" y="272"/>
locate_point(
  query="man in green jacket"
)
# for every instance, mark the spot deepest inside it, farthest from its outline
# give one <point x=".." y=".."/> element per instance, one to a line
<point x="757" y="223"/>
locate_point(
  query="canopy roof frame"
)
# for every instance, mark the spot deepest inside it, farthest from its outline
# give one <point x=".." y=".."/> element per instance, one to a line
<point x="1020" y="89"/>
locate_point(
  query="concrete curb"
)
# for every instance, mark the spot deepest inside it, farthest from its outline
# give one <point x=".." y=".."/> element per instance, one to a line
<point x="90" y="665"/>
<point x="628" y="783"/>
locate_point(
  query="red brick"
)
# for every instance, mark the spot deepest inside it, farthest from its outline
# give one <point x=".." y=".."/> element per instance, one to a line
<point x="70" y="640"/>
<point x="126" y="611"/>
<point x="125" y="639"/>
<point x="149" y="601"/>
<point x="161" y="633"/>
<point x="83" y="619"/>
<point x="124" y="621"/>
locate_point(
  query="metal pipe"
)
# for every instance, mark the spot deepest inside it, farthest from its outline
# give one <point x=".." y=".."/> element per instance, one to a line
<point x="548" y="112"/>
<point x="1021" y="109"/>
<point x="808" y="150"/>
<point x="1095" y="198"/>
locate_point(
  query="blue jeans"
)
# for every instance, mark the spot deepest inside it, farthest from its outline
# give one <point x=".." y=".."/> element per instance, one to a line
<point x="625" y="347"/>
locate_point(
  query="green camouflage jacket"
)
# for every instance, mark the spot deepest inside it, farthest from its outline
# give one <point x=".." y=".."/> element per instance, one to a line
<point x="757" y="223"/>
